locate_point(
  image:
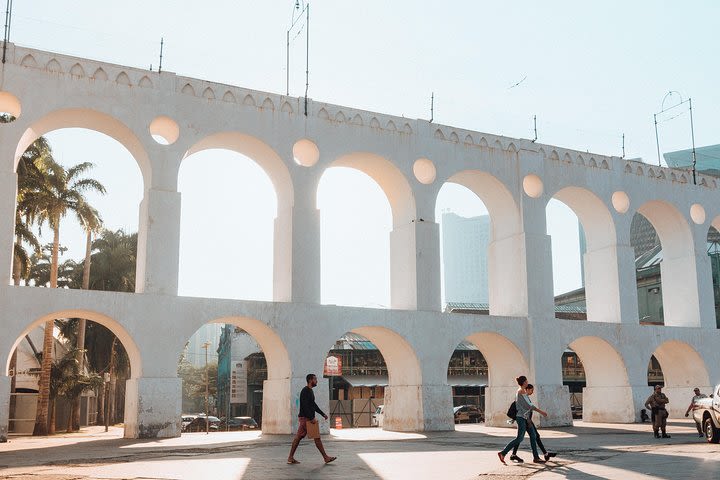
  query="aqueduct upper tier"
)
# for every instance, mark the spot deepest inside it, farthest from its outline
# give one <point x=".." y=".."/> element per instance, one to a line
<point x="161" y="118"/>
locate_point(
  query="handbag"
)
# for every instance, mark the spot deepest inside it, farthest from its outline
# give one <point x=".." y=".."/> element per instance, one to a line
<point x="313" y="429"/>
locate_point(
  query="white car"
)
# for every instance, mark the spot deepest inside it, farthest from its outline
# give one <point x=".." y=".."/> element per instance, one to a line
<point x="378" y="416"/>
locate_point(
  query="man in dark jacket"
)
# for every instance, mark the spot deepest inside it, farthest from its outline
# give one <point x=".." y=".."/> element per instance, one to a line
<point x="308" y="407"/>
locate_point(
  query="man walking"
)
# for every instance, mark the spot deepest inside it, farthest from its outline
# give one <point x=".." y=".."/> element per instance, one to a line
<point x="694" y="400"/>
<point x="656" y="403"/>
<point x="308" y="407"/>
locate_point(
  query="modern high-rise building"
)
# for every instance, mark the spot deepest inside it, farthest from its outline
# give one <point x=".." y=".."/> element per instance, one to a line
<point x="464" y="254"/>
<point x="194" y="351"/>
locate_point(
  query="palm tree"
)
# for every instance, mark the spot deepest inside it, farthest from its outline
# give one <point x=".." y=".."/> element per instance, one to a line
<point x="29" y="176"/>
<point x="60" y="192"/>
<point x="91" y="221"/>
<point x="114" y="262"/>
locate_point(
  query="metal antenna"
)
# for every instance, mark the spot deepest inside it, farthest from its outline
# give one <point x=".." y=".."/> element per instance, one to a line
<point x="535" y="128"/>
<point x="692" y="134"/>
<point x="162" y="41"/>
<point x="432" y="106"/>
<point x="657" y="139"/>
<point x="307" y="55"/>
<point x="8" y="20"/>
<point x="623" y="146"/>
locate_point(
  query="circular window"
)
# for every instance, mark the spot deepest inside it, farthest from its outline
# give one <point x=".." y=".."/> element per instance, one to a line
<point x="9" y="107"/>
<point x="424" y="171"/>
<point x="533" y="186"/>
<point x="621" y="202"/>
<point x="306" y="153"/>
<point x="164" y="130"/>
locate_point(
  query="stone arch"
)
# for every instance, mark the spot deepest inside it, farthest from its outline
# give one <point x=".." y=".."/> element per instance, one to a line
<point x="268" y="104"/>
<point x="607" y="396"/>
<point x="229" y="97"/>
<point x="683" y="369"/>
<point x="512" y="148"/>
<point x="28" y="61"/>
<point x="188" y="89"/>
<point x="340" y="117"/>
<point x="374" y="123"/>
<point x="208" y="94"/>
<point x="404" y="409"/>
<point x="286" y="108"/>
<point x="100" y="74"/>
<point x="505" y="362"/>
<point x="391" y="126"/>
<point x="407" y="128"/>
<point x="454" y="137"/>
<point x="277" y="395"/>
<point x="123" y="79"/>
<point x="601" y="273"/>
<point x="249" y="100"/>
<point x="145" y="82"/>
<point x="469" y="140"/>
<point x="392" y="181"/>
<point x="357" y="120"/>
<point x="131" y="347"/>
<point x="554" y="155"/>
<point x="77" y="70"/>
<point x="258" y="151"/>
<point x="483" y="142"/>
<point x="91" y="120"/>
<point x="678" y="269"/>
<point x="604" y="165"/>
<point x="54" y="66"/>
<point x="504" y="269"/>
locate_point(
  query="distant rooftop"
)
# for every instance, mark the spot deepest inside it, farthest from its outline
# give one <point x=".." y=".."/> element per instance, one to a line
<point x="708" y="159"/>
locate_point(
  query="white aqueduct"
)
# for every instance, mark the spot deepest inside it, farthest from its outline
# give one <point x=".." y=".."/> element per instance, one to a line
<point x="410" y="160"/>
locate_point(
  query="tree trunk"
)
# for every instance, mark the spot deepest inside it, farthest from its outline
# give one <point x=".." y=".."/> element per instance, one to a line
<point x="111" y="393"/>
<point x="16" y="273"/>
<point x="41" y="417"/>
<point x="51" y="422"/>
<point x="81" y="333"/>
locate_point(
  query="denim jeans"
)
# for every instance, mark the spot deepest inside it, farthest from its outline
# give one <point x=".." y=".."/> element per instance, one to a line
<point x="522" y="428"/>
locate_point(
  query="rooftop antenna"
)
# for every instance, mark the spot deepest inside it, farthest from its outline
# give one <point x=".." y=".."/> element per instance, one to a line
<point x="535" y="128"/>
<point x="432" y="106"/>
<point x="162" y="41"/>
<point x="623" y="145"/>
<point x="306" y="10"/>
<point x="8" y="20"/>
<point x="307" y="54"/>
<point x="692" y="128"/>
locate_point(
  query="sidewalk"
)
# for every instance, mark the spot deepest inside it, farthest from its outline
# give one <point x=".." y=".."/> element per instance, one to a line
<point x="585" y="451"/>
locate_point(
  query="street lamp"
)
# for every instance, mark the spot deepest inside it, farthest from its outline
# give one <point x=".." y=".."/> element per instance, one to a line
<point x="106" y="386"/>
<point x="692" y="128"/>
<point x="306" y="11"/>
<point x="207" y="389"/>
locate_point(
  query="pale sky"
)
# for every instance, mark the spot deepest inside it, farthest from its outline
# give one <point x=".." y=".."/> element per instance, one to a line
<point x="589" y="72"/>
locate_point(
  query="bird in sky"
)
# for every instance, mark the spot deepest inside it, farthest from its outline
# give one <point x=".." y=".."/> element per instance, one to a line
<point x="518" y="83"/>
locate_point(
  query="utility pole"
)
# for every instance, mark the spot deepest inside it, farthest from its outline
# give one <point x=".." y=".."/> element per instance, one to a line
<point x="8" y="20"/>
<point x="207" y="389"/>
<point x="162" y="41"/>
<point x="432" y="106"/>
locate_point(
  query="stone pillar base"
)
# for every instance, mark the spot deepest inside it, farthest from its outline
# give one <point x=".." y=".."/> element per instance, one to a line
<point x="609" y="405"/>
<point x="403" y="408"/>
<point x="555" y="400"/>
<point x="437" y="407"/>
<point x="4" y="407"/>
<point x="497" y="402"/>
<point x="153" y="407"/>
<point x="276" y="411"/>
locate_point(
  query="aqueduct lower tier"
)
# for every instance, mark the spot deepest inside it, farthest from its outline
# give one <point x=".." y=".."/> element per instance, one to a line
<point x="410" y="160"/>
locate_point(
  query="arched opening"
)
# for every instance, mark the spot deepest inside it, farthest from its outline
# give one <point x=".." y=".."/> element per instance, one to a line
<point x="467" y="376"/>
<point x="597" y="378"/>
<point x="480" y="221"/>
<point x="86" y="386"/>
<point x="235" y="373"/>
<point x="226" y="226"/>
<point x="666" y="271"/>
<point x="713" y="251"/>
<point x="680" y="369"/>
<point x="360" y="224"/>
<point x="503" y="362"/>
<point x="585" y="273"/>
<point x="97" y="182"/>
<point x="374" y="380"/>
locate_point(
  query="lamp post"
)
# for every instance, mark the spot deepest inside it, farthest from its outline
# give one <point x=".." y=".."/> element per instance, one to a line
<point x="106" y="386"/>
<point x="306" y="11"/>
<point x="692" y="128"/>
<point x="207" y="389"/>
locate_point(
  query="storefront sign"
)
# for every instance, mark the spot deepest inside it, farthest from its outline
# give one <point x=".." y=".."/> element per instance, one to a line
<point x="333" y="366"/>
<point x="238" y="382"/>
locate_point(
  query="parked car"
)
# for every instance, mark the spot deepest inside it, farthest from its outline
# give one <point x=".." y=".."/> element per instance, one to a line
<point x="706" y="414"/>
<point x="198" y="424"/>
<point x="467" y="414"/>
<point x="186" y="420"/>
<point x="238" y="423"/>
<point x="378" y="417"/>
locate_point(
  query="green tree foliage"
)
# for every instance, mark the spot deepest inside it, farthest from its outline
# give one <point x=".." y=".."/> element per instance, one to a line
<point x="193" y="389"/>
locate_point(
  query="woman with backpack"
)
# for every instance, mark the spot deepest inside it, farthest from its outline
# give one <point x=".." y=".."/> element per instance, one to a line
<point x="524" y="408"/>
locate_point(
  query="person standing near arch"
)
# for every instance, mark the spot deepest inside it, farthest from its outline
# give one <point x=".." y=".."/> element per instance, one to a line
<point x="532" y="428"/>
<point x="308" y="407"/>
<point x="524" y="408"/>
<point x="691" y="407"/>
<point x="656" y="403"/>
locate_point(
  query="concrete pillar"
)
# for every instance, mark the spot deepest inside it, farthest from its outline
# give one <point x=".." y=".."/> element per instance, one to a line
<point x="508" y="290"/>
<point x="602" y="285"/>
<point x="4" y="407"/>
<point x="415" y="266"/>
<point x="277" y="411"/>
<point x="153" y="407"/>
<point x="705" y="291"/>
<point x="158" y="243"/>
<point x="296" y="263"/>
<point x="555" y="400"/>
<point x="609" y="404"/>
<point x="681" y="286"/>
<point x="418" y="408"/>
<point x="497" y="402"/>
<point x="551" y="395"/>
<point x="8" y="197"/>
<point x="627" y="284"/>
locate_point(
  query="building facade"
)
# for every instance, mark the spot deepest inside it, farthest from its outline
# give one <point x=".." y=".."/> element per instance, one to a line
<point x="464" y="253"/>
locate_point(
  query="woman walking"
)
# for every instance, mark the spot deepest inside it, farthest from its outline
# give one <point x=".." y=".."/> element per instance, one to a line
<point x="524" y="408"/>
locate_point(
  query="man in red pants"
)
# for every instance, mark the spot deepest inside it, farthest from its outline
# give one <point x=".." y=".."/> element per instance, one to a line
<point x="308" y="407"/>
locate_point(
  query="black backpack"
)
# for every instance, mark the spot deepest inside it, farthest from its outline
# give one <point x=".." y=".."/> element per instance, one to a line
<point x="512" y="411"/>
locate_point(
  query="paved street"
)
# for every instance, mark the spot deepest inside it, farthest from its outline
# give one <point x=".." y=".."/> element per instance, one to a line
<point x="586" y="451"/>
